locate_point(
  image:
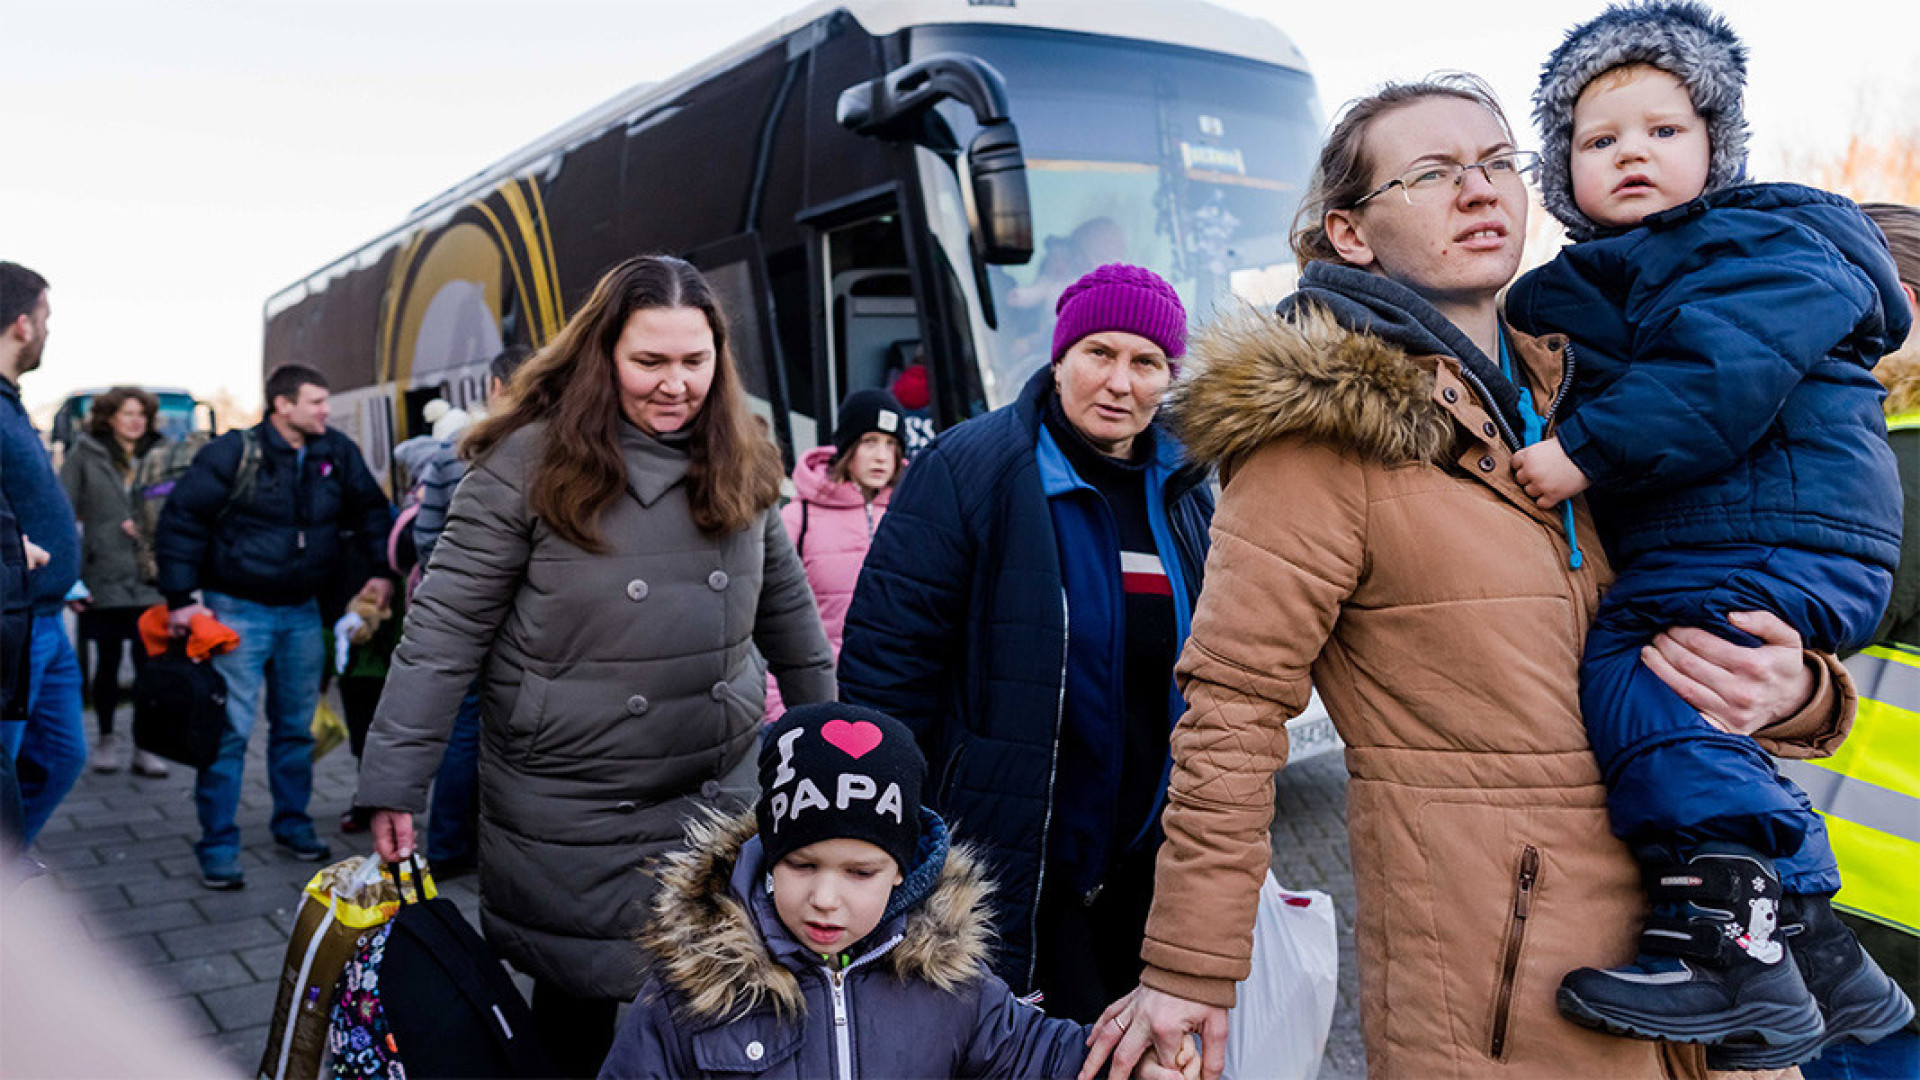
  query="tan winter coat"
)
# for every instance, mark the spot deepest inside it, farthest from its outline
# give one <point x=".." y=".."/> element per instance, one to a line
<point x="1371" y="541"/>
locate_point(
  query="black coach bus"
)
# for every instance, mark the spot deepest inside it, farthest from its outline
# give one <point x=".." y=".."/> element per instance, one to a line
<point x="866" y="183"/>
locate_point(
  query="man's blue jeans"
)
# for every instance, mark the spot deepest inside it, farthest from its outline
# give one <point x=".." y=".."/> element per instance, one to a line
<point x="454" y="814"/>
<point x="281" y="650"/>
<point x="50" y="748"/>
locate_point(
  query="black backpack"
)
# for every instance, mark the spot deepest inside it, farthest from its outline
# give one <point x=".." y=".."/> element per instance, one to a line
<point x="180" y="708"/>
<point x="444" y="1005"/>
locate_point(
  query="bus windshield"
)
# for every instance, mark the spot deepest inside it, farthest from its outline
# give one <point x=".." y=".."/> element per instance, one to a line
<point x="1185" y="162"/>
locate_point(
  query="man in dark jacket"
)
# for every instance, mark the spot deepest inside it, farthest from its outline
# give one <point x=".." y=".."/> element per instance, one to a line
<point x="49" y="746"/>
<point x="257" y="525"/>
<point x="1021" y="609"/>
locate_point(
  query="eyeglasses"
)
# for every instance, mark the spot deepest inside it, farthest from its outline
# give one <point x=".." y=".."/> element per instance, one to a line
<point x="1428" y="182"/>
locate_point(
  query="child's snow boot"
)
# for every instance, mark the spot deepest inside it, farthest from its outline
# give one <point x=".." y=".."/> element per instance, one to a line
<point x="1710" y="969"/>
<point x="1856" y="998"/>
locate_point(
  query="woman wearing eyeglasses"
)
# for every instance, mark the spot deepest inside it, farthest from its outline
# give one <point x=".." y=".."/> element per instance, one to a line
<point x="1371" y="540"/>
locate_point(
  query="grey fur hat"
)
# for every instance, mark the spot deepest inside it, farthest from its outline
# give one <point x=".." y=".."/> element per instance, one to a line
<point x="1684" y="39"/>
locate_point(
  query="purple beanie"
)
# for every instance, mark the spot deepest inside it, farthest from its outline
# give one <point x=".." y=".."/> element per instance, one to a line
<point x="1121" y="297"/>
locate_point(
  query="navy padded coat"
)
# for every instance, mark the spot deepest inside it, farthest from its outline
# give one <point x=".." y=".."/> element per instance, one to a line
<point x="958" y="629"/>
<point x="1723" y="387"/>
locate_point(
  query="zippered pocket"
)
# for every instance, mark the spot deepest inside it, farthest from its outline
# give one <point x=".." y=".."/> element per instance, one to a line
<point x="1526" y="878"/>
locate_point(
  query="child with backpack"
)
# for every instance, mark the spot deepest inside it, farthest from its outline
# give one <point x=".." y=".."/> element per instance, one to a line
<point x="833" y="932"/>
<point x="1724" y="411"/>
<point x="841" y="493"/>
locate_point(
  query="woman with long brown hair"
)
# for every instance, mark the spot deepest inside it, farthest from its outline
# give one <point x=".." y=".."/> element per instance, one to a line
<point x="121" y="427"/>
<point x="615" y="561"/>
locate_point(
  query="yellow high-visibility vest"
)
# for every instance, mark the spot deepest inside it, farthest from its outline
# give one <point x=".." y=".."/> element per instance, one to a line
<point x="1869" y="791"/>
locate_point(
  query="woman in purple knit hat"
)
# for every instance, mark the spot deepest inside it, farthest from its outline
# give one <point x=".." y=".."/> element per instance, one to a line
<point x="1021" y="610"/>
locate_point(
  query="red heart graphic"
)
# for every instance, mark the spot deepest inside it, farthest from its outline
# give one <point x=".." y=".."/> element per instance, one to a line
<point x="855" y="739"/>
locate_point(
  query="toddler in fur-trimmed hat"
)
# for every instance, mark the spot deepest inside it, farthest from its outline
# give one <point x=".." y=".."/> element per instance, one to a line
<point x="1721" y="415"/>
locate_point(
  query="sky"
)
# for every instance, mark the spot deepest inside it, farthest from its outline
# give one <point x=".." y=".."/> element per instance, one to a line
<point x="168" y="166"/>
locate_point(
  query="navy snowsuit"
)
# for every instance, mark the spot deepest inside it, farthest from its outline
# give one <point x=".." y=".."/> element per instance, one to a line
<point x="1724" y="406"/>
<point x="730" y="992"/>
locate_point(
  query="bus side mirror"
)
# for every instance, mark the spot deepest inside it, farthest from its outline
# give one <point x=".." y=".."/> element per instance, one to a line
<point x="998" y="170"/>
<point x="887" y="108"/>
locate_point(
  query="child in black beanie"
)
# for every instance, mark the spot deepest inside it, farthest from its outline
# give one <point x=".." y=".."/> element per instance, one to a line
<point x="834" y="932"/>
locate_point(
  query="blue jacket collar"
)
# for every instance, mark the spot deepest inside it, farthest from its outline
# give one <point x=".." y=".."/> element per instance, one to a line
<point x="1056" y="472"/>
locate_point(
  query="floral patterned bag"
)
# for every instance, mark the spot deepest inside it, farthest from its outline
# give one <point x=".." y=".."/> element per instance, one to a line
<point x="359" y="1040"/>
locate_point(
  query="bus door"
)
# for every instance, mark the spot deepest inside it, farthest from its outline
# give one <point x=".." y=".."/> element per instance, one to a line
<point x="871" y="330"/>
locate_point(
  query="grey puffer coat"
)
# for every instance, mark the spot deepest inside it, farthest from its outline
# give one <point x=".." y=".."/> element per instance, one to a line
<point x="623" y="691"/>
<point x="109" y="558"/>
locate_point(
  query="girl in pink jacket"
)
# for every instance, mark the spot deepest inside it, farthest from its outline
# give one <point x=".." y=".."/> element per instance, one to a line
<point x="842" y="491"/>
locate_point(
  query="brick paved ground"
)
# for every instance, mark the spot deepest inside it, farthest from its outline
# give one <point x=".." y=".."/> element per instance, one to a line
<point x="121" y="851"/>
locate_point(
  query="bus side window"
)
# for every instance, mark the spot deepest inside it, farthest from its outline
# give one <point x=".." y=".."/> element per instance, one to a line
<point x="733" y="285"/>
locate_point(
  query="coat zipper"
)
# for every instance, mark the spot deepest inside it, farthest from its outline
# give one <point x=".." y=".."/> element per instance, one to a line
<point x="1513" y="441"/>
<point x="1559" y="395"/>
<point x="843" y="1006"/>
<point x="842" y="1024"/>
<point x="1506" y="431"/>
<point x="1516" y="934"/>
<point x="1566" y="381"/>
<point x="1046" y="821"/>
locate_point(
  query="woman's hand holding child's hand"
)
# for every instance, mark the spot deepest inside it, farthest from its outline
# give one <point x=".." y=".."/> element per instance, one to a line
<point x="1548" y="475"/>
<point x="1184" y="1067"/>
<point x="1189" y="1060"/>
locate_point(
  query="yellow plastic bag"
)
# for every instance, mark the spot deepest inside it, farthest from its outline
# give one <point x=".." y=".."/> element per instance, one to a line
<point x="328" y="729"/>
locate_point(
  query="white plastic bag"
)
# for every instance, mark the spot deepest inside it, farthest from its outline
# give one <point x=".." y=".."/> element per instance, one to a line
<point x="1278" y="1030"/>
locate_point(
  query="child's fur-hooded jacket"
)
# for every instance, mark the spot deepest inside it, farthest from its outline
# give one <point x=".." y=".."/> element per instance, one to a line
<point x="1372" y="543"/>
<point x="730" y="992"/>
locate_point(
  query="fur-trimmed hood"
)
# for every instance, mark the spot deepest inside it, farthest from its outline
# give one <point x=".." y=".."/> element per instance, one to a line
<point x="1258" y="377"/>
<point x="718" y="948"/>
<point x="1684" y="39"/>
